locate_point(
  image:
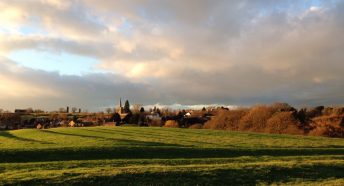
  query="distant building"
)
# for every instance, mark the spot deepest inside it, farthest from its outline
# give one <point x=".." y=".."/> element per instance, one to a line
<point x="121" y="108"/>
<point x="121" y="111"/>
<point x="153" y="116"/>
<point x="188" y="114"/>
<point x="21" y="111"/>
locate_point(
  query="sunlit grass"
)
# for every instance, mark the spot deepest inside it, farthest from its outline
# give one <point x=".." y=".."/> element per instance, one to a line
<point x="132" y="155"/>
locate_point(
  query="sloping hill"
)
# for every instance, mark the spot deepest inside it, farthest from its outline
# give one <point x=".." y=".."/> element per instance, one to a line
<point x="132" y="155"/>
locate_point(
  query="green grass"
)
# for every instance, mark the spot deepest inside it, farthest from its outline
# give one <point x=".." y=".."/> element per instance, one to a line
<point x="161" y="156"/>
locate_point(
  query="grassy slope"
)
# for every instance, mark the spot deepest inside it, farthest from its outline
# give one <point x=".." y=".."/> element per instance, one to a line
<point x="124" y="155"/>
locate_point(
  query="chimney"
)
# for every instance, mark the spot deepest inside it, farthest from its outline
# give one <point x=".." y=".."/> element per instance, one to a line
<point x="67" y="111"/>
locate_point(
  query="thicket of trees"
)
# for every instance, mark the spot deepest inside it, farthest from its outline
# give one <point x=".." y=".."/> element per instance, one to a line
<point x="281" y="118"/>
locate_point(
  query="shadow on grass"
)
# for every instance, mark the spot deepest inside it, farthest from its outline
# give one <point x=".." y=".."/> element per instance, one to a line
<point x="245" y="176"/>
<point x="150" y="152"/>
<point x="153" y="135"/>
<point x="7" y="134"/>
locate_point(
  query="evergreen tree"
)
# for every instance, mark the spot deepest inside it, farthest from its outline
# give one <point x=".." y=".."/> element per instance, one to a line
<point x="126" y="107"/>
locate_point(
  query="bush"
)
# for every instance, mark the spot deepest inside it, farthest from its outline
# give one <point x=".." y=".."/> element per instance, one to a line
<point x="337" y="111"/>
<point x="341" y="123"/>
<point x="196" y="126"/>
<point x="154" y="123"/>
<point x="282" y="107"/>
<point x="327" y="130"/>
<point x="283" y="123"/>
<point x="228" y="120"/>
<point x="314" y="112"/>
<point x="281" y="118"/>
<point x="134" y="119"/>
<point x="255" y="120"/>
<point x="171" y="124"/>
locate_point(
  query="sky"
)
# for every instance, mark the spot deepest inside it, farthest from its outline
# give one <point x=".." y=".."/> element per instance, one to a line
<point x="90" y="53"/>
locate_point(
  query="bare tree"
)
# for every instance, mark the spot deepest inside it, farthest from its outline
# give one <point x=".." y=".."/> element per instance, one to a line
<point x="108" y="110"/>
<point x="62" y="110"/>
<point x="136" y="108"/>
<point x="74" y="109"/>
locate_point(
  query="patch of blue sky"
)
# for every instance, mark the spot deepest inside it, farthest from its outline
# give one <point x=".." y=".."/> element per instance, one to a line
<point x="317" y="3"/>
<point x="33" y="27"/>
<point x="64" y="63"/>
<point x="291" y="8"/>
<point x="126" y="27"/>
<point x="27" y="30"/>
<point x="4" y="30"/>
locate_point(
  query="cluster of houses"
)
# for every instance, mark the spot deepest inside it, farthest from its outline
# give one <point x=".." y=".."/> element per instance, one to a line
<point x="26" y="118"/>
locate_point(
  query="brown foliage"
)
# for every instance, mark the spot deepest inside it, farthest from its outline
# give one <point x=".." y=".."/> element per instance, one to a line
<point x="282" y="107"/>
<point x="154" y="123"/>
<point x="333" y="111"/>
<point x="328" y="130"/>
<point x="281" y="118"/>
<point x="332" y="120"/>
<point x="196" y="126"/>
<point x="228" y="120"/>
<point x="314" y="112"/>
<point x="255" y="120"/>
<point x="283" y="123"/>
<point x="171" y="124"/>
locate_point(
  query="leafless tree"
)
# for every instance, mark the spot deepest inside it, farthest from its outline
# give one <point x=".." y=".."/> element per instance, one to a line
<point x="108" y="110"/>
<point x="136" y="108"/>
<point x="74" y="109"/>
<point x="62" y="110"/>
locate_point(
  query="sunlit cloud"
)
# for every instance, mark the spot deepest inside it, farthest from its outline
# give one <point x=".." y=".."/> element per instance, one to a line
<point x="231" y="52"/>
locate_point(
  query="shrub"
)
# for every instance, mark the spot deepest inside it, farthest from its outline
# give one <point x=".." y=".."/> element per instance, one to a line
<point x="337" y="111"/>
<point x="283" y="123"/>
<point x="314" y="112"/>
<point x="134" y="119"/>
<point x="282" y="107"/>
<point x="327" y="111"/>
<point x="228" y="120"/>
<point x="155" y="123"/>
<point x="171" y="124"/>
<point x="255" y="120"/>
<point x="196" y="126"/>
<point x="327" y="130"/>
<point x="341" y="124"/>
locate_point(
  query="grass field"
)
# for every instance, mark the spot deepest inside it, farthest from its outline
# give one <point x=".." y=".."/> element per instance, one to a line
<point x="161" y="156"/>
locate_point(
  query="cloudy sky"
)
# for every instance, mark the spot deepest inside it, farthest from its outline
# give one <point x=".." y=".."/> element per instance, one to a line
<point x="89" y="53"/>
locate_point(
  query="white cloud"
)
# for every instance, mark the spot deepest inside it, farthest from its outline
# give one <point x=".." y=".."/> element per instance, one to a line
<point x="314" y="8"/>
<point x="177" y="106"/>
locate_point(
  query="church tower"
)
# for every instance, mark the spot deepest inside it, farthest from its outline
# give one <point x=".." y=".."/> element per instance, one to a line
<point x="121" y="109"/>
